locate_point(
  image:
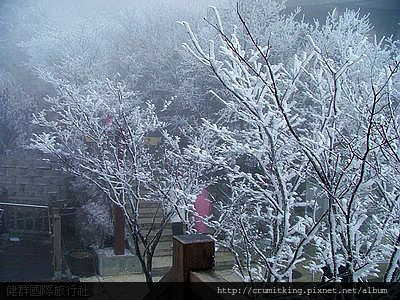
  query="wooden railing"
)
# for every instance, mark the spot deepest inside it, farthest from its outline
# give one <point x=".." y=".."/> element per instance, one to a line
<point x="25" y="218"/>
<point x="191" y="273"/>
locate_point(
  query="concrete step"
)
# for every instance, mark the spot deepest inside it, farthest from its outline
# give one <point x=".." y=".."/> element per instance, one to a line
<point x="147" y="226"/>
<point x="150" y="204"/>
<point x="223" y="260"/>
<point x="160" y="272"/>
<point x="150" y="214"/>
<point x="149" y="220"/>
<point x="158" y="261"/>
<point x="165" y="238"/>
<point x="159" y="252"/>
<point x="163" y="245"/>
<point x="150" y="208"/>
<point x="161" y="264"/>
<point x="165" y="250"/>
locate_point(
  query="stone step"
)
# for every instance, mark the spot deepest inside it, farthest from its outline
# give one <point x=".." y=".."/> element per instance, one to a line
<point x="162" y="260"/>
<point x="150" y="204"/>
<point x="161" y="264"/>
<point x="149" y="216"/>
<point x="147" y="211"/>
<point x="149" y="220"/>
<point x="160" y="272"/>
<point x="166" y="232"/>
<point x="164" y="243"/>
<point x="163" y="252"/>
<point x="163" y="249"/>
<point x="165" y="238"/>
<point x="223" y="260"/>
<point x="147" y="226"/>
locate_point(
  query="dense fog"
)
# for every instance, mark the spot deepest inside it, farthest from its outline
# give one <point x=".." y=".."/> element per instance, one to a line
<point x="273" y="126"/>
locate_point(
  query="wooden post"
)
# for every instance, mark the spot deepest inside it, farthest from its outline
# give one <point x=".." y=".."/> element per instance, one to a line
<point x="57" y="251"/>
<point x="55" y="221"/>
<point x="192" y="253"/>
<point x="119" y="216"/>
<point x="119" y="230"/>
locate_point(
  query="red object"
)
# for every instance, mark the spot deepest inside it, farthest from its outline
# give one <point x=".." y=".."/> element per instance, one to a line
<point x="203" y="207"/>
<point x="119" y="225"/>
<point x="119" y="231"/>
<point x="119" y="217"/>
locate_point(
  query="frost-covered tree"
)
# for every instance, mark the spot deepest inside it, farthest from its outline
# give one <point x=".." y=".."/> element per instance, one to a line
<point x="321" y="122"/>
<point x="139" y="41"/>
<point x="98" y="132"/>
<point x="353" y="89"/>
<point x="262" y="169"/>
<point x="97" y="126"/>
<point x="16" y="108"/>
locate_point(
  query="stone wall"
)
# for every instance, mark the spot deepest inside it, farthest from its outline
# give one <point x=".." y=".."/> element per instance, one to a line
<point x="27" y="176"/>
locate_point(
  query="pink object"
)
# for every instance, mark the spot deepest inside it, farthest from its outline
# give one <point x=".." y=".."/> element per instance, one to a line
<point x="203" y="208"/>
